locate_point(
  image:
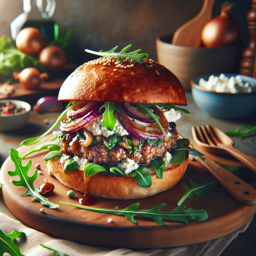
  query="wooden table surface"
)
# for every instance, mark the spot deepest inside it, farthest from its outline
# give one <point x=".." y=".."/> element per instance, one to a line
<point x="244" y="244"/>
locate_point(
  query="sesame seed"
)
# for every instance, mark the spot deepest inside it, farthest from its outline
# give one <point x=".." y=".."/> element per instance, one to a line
<point x="105" y="64"/>
<point x="114" y="69"/>
<point x="109" y="220"/>
<point x="42" y="210"/>
<point x="132" y="65"/>
<point x="118" y="65"/>
<point x="102" y="68"/>
<point x="151" y="66"/>
<point x="157" y="72"/>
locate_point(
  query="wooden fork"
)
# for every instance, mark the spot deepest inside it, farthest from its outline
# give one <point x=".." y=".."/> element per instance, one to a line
<point x="214" y="140"/>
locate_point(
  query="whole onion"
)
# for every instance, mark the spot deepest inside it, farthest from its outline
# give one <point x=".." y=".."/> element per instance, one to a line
<point x="30" y="78"/>
<point x="30" y="41"/>
<point x="52" y="58"/>
<point x="222" y="30"/>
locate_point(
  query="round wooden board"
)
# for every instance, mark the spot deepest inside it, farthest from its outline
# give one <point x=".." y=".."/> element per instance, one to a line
<point x="225" y="214"/>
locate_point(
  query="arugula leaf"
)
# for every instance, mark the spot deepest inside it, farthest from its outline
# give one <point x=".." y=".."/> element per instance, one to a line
<point x="45" y="145"/>
<point x="92" y="168"/>
<point x="70" y="165"/>
<point x="112" y="140"/>
<point x="169" y="106"/>
<point x="237" y="132"/>
<point x="7" y="244"/>
<point x="116" y="170"/>
<point x="146" y="108"/>
<point x="158" y="165"/>
<point x="134" y="56"/>
<point x="32" y="141"/>
<point x="144" y="179"/>
<point x="55" y="251"/>
<point x="201" y="190"/>
<point x="108" y="116"/>
<point x="178" y="154"/>
<point x="178" y="214"/>
<point x="52" y="154"/>
<point x="27" y="181"/>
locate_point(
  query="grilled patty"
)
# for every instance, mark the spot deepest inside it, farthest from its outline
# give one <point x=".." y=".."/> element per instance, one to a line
<point x="100" y="154"/>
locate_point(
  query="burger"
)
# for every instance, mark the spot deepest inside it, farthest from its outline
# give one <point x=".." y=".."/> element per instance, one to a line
<point x="118" y="136"/>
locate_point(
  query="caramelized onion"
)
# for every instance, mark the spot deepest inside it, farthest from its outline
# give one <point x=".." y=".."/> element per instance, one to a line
<point x="68" y="127"/>
<point x="134" y="112"/>
<point x="150" y="131"/>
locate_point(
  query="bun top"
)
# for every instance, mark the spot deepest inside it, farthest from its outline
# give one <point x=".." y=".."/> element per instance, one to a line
<point x="112" y="81"/>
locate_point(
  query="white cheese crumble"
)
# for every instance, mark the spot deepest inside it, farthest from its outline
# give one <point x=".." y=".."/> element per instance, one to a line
<point x="81" y="161"/>
<point x="128" y="165"/>
<point x="64" y="158"/>
<point x="109" y="220"/>
<point x="172" y="115"/>
<point x="225" y="84"/>
<point x="167" y="157"/>
<point x="99" y="129"/>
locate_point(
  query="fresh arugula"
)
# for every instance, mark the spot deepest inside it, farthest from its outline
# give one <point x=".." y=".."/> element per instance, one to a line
<point x="134" y="56"/>
<point x="55" y="251"/>
<point x="27" y="181"/>
<point x="170" y="106"/>
<point x="109" y="120"/>
<point x="32" y="141"/>
<point x="53" y="145"/>
<point x="70" y="165"/>
<point x="11" y="60"/>
<point x="52" y="154"/>
<point x="158" y="165"/>
<point x="178" y="214"/>
<point x="143" y="178"/>
<point x="237" y="132"/>
<point x="201" y="189"/>
<point x="178" y="154"/>
<point x="112" y="140"/>
<point x="146" y="108"/>
<point x="92" y="169"/>
<point x="7" y="244"/>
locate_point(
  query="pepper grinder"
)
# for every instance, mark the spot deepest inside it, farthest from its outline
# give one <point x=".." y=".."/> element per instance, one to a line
<point x="247" y="63"/>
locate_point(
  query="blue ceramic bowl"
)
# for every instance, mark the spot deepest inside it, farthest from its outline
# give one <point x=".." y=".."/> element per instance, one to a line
<point x="224" y="105"/>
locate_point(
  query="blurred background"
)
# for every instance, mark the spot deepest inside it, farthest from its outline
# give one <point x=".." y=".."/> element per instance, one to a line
<point x="102" y="24"/>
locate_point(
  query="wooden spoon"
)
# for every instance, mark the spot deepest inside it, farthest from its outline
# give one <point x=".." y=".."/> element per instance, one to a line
<point x="214" y="140"/>
<point x="189" y="34"/>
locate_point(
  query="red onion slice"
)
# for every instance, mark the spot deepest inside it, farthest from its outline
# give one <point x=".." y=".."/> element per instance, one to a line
<point x="81" y="108"/>
<point x="77" y="124"/>
<point x="136" y="114"/>
<point x="48" y="104"/>
<point x="141" y="132"/>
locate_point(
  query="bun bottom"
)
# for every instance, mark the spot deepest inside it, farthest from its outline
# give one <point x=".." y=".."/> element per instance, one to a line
<point x="113" y="186"/>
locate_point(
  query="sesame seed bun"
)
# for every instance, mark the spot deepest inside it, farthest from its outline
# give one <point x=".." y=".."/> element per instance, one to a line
<point x="113" y="186"/>
<point x="132" y="82"/>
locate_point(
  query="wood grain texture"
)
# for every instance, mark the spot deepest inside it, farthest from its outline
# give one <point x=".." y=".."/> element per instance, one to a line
<point x="225" y="214"/>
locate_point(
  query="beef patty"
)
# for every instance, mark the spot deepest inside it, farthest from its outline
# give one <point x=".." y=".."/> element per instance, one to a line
<point x="100" y="154"/>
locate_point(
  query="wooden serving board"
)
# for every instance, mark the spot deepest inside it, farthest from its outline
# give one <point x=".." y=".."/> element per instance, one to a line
<point x="225" y="214"/>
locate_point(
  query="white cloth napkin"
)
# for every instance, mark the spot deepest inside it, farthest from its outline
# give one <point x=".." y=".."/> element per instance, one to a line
<point x="32" y="247"/>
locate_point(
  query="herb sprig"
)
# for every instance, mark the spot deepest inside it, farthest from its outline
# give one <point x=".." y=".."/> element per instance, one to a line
<point x="178" y="214"/>
<point x="134" y="56"/>
<point x="55" y="251"/>
<point x="237" y="132"/>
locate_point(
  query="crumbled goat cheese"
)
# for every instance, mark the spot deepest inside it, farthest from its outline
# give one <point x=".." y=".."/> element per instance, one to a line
<point x="128" y="165"/>
<point x="172" y="115"/>
<point x="167" y="157"/>
<point x="225" y="84"/>
<point x="81" y="161"/>
<point x="64" y="158"/>
<point x="99" y="129"/>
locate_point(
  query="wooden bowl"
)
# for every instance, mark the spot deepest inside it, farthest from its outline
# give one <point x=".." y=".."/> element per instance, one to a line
<point x="188" y="62"/>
